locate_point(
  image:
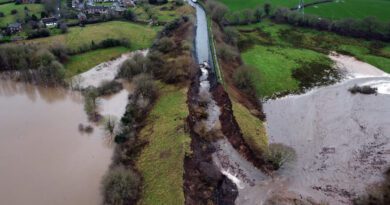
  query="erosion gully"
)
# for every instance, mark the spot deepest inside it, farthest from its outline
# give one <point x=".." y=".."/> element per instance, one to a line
<point x="221" y="165"/>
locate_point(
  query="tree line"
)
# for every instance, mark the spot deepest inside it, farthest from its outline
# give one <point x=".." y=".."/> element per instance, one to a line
<point x="369" y="27"/>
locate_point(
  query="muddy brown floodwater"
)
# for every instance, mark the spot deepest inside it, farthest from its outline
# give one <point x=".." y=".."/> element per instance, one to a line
<point x="43" y="157"/>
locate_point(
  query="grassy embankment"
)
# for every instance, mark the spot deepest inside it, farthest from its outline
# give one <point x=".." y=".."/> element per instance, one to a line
<point x="161" y="161"/>
<point x="140" y="37"/>
<point x="20" y="15"/>
<point x="253" y="129"/>
<point x="279" y="49"/>
<point x="332" y="10"/>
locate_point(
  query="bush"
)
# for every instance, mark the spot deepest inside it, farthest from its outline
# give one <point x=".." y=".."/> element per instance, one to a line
<point x="133" y="67"/>
<point x="279" y="154"/>
<point x="226" y="52"/>
<point x="129" y="15"/>
<point x="90" y="104"/>
<point x="145" y="87"/>
<point x="121" y="186"/>
<point x="242" y="79"/>
<point x="43" y="32"/>
<point x="165" y="44"/>
<point x="367" y="90"/>
<point x="60" y="52"/>
<point x="231" y="35"/>
<point x="109" y="88"/>
<point x="14" y="11"/>
<point x="64" y="28"/>
<point x="2" y="14"/>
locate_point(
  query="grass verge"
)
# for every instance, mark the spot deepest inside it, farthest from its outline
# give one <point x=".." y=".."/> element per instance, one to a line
<point x="161" y="161"/>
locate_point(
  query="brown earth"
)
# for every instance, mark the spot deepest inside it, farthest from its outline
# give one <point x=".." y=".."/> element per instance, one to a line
<point x="203" y="182"/>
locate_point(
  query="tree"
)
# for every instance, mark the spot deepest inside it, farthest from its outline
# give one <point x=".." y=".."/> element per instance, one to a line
<point x="34" y="17"/>
<point x="231" y="35"/>
<point x="279" y="154"/>
<point x="50" y="6"/>
<point x="63" y="28"/>
<point x="258" y="14"/>
<point x="248" y="16"/>
<point x="129" y="15"/>
<point x="43" y="14"/>
<point x="2" y="14"/>
<point x="121" y="186"/>
<point x="267" y="8"/>
<point x="242" y="78"/>
<point x="14" y="11"/>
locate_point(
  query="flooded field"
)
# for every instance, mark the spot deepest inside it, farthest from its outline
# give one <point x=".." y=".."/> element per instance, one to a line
<point x="342" y="141"/>
<point x="43" y="157"/>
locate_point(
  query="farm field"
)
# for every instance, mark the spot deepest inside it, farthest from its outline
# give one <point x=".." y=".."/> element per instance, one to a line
<point x="352" y="9"/>
<point x="163" y="13"/>
<point x="140" y="36"/>
<point x="279" y="49"/>
<point x="9" y="18"/>
<point x="238" y="5"/>
<point x="333" y="10"/>
<point x="161" y="161"/>
<point x="85" y="61"/>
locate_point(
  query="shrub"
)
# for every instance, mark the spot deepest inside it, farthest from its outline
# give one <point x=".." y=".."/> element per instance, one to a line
<point x="145" y="87"/>
<point x="179" y="2"/>
<point x="90" y="104"/>
<point x="60" y="52"/>
<point x="109" y="87"/>
<point x="121" y="186"/>
<point x="165" y="44"/>
<point x="129" y="15"/>
<point x="64" y="28"/>
<point x="43" y="32"/>
<point x="363" y="90"/>
<point x="14" y="11"/>
<point x="243" y="80"/>
<point x="133" y="67"/>
<point x="231" y="35"/>
<point x="279" y="154"/>
<point x="2" y="14"/>
<point x="226" y="52"/>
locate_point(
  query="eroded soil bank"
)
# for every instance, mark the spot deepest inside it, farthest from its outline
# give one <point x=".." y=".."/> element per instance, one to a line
<point x="203" y="181"/>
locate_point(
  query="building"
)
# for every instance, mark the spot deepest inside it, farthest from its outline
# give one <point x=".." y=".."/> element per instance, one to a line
<point x="14" y="28"/>
<point x="96" y="10"/>
<point x="50" y="22"/>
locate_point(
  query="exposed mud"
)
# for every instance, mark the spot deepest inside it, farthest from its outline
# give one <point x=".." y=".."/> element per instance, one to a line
<point x="203" y="181"/>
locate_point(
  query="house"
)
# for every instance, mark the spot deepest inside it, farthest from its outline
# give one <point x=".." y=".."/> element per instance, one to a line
<point x="14" y="28"/>
<point x="50" y="22"/>
<point x="127" y="3"/>
<point x="96" y="10"/>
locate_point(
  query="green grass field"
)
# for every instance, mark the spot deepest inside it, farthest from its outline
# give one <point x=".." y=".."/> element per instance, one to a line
<point x="164" y="13"/>
<point x="333" y="10"/>
<point x="161" y="161"/>
<point x="274" y="67"/>
<point x="85" y="61"/>
<point x="275" y="56"/>
<point x="352" y="9"/>
<point x="9" y="18"/>
<point x="140" y="36"/>
<point x="252" y="128"/>
<point x="238" y="5"/>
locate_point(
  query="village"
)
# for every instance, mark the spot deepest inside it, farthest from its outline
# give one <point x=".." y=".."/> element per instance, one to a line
<point x="29" y="19"/>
